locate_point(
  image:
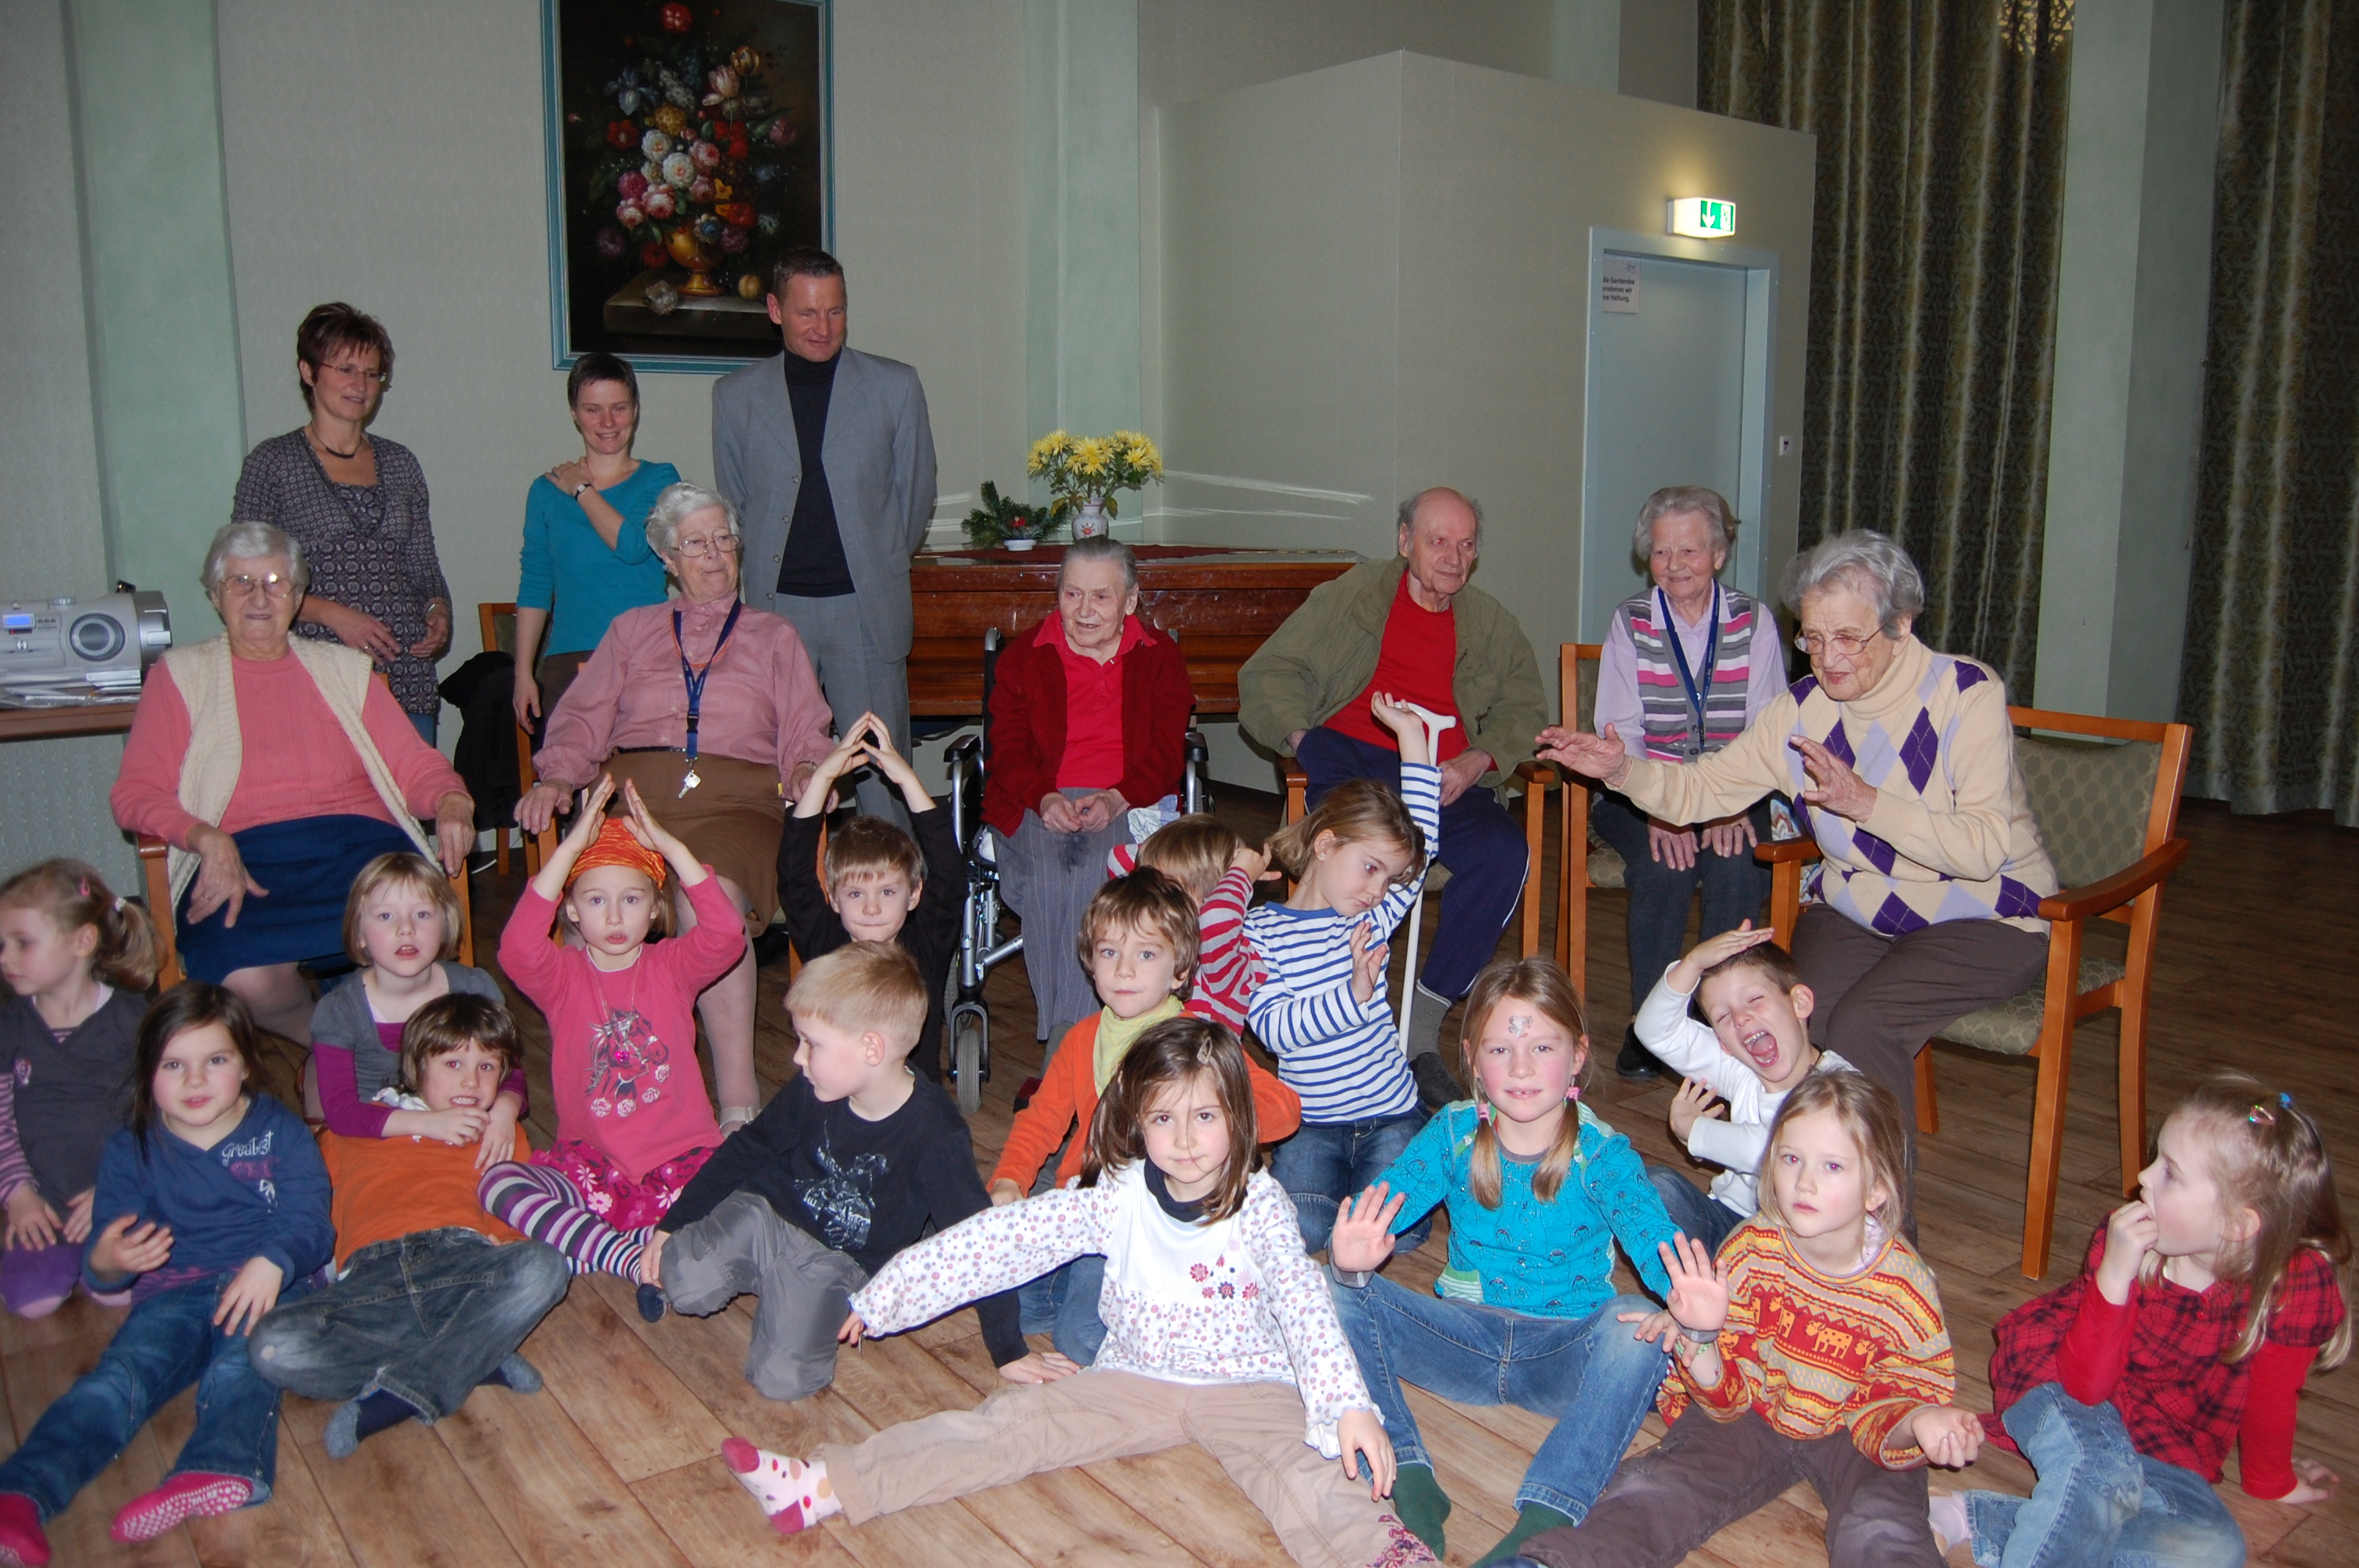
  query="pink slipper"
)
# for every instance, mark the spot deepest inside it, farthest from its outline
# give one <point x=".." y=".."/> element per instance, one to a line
<point x="179" y="1499"/>
<point x="23" y="1545"/>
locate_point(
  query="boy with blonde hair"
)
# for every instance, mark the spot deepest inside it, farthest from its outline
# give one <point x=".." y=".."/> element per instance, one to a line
<point x="846" y="1165"/>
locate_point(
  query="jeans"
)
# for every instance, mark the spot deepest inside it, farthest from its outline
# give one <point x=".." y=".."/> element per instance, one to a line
<point x="1064" y="1305"/>
<point x="1593" y="1374"/>
<point x="2098" y="1500"/>
<point x="424" y="1317"/>
<point x="168" y="1342"/>
<point x="1734" y="887"/>
<point x="1329" y="1163"/>
<point x="427" y="725"/>
<point x="1480" y="843"/>
<point x="1692" y="1209"/>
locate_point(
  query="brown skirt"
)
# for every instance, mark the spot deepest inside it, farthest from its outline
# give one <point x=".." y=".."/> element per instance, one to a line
<point x="732" y="820"/>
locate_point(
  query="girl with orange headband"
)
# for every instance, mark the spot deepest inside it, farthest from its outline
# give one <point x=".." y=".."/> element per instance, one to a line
<point x="633" y="1120"/>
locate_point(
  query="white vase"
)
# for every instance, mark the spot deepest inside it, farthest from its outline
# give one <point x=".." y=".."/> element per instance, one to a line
<point x="1019" y="544"/>
<point x="1090" y="522"/>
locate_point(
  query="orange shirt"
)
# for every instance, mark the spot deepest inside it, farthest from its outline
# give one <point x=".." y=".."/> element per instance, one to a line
<point x="389" y="1187"/>
<point x="1069" y="1093"/>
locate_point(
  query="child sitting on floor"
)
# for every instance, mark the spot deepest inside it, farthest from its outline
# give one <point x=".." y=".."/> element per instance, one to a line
<point x="634" y="1123"/>
<point x="1219" y="1331"/>
<point x="2204" y="1303"/>
<point x="1218" y="869"/>
<point x="80" y="961"/>
<point x="1813" y="1351"/>
<point x="431" y="1295"/>
<point x="1754" y="1046"/>
<point x="211" y="1208"/>
<point x="401" y="925"/>
<point x="876" y="877"/>
<point x="846" y="1165"/>
<point x="1138" y="942"/>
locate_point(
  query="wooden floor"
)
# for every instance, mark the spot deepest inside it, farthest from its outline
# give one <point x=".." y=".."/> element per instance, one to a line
<point x="616" y="1462"/>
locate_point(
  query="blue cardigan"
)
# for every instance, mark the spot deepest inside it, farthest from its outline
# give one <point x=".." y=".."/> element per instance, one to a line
<point x="261" y="1191"/>
<point x="568" y="567"/>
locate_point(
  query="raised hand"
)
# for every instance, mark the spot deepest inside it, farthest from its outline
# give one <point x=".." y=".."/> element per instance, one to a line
<point x="1368" y="958"/>
<point x="1599" y="757"/>
<point x="1254" y="861"/>
<point x="1694" y="1102"/>
<point x="651" y="833"/>
<point x="1363" y="1237"/>
<point x="1686" y="974"/>
<point x="1838" y="788"/>
<point x="1698" y="1294"/>
<point x="849" y="753"/>
<point x="1407" y="724"/>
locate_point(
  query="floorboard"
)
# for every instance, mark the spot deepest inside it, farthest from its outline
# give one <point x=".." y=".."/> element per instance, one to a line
<point x="616" y="1461"/>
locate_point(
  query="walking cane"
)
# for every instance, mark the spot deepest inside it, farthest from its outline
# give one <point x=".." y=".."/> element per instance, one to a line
<point x="1435" y="723"/>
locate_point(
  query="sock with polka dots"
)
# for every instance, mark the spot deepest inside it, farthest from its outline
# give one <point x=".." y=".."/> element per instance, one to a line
<point x="794" y="1494"/>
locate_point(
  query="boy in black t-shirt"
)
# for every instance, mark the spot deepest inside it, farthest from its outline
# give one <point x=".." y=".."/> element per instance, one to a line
<point x="876" y="877"/>
<point x="845" y="1167"/>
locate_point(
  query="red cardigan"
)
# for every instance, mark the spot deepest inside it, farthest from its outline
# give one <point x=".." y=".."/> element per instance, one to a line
<point x="1027" y="724"/>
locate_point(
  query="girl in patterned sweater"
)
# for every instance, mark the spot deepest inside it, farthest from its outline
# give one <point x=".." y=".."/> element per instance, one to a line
<point x="1813" y="1350"/>
<point x="1219" y="1330"/>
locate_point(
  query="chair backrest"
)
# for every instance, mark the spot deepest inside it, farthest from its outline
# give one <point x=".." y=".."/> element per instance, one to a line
<point x="2103" y="791"/>
<point x="498" y="622"/>
<point x="1577" y="667"/>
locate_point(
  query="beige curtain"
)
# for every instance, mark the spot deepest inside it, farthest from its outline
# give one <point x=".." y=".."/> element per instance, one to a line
<point x="1941" y="178"/>
<point x="2271" y="677"/>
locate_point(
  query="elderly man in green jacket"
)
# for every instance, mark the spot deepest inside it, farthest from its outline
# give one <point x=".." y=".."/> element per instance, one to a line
<point x="1413" y="627"/>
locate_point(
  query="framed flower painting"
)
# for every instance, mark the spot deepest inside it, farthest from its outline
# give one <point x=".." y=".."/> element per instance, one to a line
<point x="688" y="145"/>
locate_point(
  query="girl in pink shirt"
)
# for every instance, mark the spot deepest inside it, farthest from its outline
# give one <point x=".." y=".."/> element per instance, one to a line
<point x="634" y="1123"/>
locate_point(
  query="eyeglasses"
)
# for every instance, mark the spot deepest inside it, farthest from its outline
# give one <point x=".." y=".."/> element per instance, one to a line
<point x="712" y="543"/>
<point x="1841" y="644"/>
<point x="244" y="585"/>
<point x="373" y="377"/>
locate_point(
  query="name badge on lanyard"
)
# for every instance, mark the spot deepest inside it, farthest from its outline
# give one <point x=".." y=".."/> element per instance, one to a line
<point x="1699" y="692"/>
<point x="695" y="677"/>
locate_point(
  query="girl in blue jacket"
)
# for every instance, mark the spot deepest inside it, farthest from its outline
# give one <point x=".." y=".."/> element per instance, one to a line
<point x="212" y="1207"/>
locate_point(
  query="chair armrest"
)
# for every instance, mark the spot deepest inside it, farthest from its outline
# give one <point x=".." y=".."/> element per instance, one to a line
<point x="1542" y="776"/>
<point x="2079" y="904"/>
<point x="1193" y="746"/>
<point x="964" y="747"/>
<point x="152" y="847"/>
<point x="1778" y="850"/>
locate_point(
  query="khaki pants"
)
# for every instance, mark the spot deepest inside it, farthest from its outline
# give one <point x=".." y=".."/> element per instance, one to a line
<point x="1255" y="1430"/>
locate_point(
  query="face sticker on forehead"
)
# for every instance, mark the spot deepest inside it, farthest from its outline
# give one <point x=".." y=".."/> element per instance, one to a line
<point x="1521" y="1023"/>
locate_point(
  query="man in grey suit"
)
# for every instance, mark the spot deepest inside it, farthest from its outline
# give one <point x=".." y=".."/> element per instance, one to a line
<point x="828" y="454"/>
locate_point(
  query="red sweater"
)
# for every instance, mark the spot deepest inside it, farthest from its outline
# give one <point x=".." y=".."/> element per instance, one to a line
<point x="1027" y="724"/>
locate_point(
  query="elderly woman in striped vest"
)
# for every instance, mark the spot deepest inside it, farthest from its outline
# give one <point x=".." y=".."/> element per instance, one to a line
<point x="1689" y="663"/>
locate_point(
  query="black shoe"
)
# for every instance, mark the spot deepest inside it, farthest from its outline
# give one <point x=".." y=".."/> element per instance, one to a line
<point x="1435" y="1085"/>
<point x="1636" y="1064"/>
<point x="651" y="1303"/>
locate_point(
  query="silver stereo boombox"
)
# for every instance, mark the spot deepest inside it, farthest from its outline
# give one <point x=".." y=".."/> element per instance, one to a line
<point x="67" y="650"/>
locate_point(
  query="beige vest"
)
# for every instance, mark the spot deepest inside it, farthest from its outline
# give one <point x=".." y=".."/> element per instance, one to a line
<point x="217" y="746"/>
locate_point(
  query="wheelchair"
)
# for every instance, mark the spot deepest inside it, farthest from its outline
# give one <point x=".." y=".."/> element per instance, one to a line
<point x="980" y="946"/>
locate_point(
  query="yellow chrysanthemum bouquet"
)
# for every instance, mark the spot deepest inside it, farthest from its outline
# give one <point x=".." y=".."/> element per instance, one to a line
<point x="1084" y="471"/>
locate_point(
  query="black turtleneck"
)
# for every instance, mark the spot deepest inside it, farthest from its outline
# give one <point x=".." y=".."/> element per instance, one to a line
<point x="815" y="566"/>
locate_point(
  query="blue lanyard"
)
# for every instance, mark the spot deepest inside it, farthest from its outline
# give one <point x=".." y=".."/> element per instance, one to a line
<point x="694" y="676"/>
<point x="1697" y="696"/>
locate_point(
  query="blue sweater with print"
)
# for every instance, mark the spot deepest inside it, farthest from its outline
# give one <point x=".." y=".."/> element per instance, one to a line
<point x="261" y="1191"/>
<point x="1546" y="1259"/>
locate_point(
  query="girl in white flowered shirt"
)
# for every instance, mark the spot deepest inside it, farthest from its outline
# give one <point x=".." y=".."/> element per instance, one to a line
<point x="1219" y="1330"/>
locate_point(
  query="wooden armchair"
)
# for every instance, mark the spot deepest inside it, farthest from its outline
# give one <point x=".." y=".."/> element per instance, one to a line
<point x="1580" y="865"/>
<point x="498" y="622"/>
<point x="168" y="973"/>
<point x="2105" y="794"/>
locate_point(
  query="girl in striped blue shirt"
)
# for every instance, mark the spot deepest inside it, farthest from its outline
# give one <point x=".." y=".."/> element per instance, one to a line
<point x="1358" y="862"/>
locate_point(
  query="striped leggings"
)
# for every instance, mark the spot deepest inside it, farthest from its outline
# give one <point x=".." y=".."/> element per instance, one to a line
<point x="545" y="1205"/>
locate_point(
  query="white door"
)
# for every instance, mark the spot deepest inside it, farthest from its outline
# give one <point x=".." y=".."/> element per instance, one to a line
<point x="1666" y="404"/>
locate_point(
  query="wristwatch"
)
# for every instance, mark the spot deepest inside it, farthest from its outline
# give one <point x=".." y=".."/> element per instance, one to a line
<point x="1701" y="1335"/>
<point x="580" y="487"/>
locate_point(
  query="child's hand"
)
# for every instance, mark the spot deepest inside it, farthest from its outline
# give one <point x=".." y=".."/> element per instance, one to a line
<point x="587" y="818"/>
<point x="649" y="832"/>
<point x="1363" y="1237"/>
<point x="497" y="1140"/>
<point x="1254" y="861"/>
<point x="2315" y="1484"/>
<point x="1951" y="1437"/>
<point x="2129" y="1234"/>
<point x="651" y="1259"/>
<point x="1358" y="1433"/>
<point x="1686" y="974"/>
<point x="1004" y="1191"/>
<point x="895" y="766"/>
<point x="78" y="1216"/>
<point x="121" y="1250"/>
<point x="1040" y="1366"/>
<point x="1699" y="1293"/>
<point x="853" y="1331"/>
<point x="1694" y="1101"/>
<point x="848" y="754"/>
<point x="248" y="1298"/>
<point x="1406" y="725"/>
<point x="1368" y="959"/>
<point x="459" y="1126"/>
<point x="31" y="1221"/>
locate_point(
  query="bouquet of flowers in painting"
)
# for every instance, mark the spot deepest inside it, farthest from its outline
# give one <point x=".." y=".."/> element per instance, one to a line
<point x="687" y="164"/>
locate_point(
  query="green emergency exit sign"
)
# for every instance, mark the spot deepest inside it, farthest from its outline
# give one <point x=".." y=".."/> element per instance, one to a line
<point x="1703" y="218"/>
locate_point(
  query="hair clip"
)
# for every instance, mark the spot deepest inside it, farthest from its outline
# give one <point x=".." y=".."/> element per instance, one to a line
<point x="118" y="903"/>
<point x="84" y="885"/>
<point x="2262" y="1116"/>
<point x="1572" y="1091"/>
<point x="1482" y="1112"/>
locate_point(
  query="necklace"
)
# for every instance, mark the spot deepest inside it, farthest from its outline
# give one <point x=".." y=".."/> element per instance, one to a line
<point x="332" y="451"/>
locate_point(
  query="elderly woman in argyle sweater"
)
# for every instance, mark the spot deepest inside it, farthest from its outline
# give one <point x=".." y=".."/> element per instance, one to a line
<point x="1903" y="763"/>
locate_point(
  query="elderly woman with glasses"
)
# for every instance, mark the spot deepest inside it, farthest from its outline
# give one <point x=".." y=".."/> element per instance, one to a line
<point x="1902" y="762"/>
<point x="711" y="707"/>
<point x="356" y="503"/>
<point x="276" y="768"/>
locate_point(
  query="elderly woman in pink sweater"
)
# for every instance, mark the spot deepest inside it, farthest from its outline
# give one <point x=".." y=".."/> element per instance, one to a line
<point x="275" y="768"/>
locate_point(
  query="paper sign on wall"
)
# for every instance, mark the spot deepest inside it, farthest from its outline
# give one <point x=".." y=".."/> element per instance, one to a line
<point x="1617" y="286"/>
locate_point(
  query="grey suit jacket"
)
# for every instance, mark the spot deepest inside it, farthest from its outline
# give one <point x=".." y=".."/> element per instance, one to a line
<point x="879" y="453"/>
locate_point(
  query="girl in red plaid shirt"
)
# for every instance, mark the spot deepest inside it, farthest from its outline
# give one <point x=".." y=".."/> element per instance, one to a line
<point x="2204" y="1305"/>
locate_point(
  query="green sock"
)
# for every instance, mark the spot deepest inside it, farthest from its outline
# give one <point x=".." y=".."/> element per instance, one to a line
<point x="1421" y="1504"/>
<point x="1532" y="1519"/>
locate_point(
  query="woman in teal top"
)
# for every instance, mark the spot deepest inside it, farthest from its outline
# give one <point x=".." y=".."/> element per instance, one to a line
<point x="585" y="541"/>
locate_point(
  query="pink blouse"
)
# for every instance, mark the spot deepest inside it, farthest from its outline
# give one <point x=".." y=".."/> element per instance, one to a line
<point x="762" y="703"/>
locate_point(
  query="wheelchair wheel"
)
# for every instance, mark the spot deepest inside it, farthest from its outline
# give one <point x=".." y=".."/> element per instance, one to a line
<point x="970" y="1056"/>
